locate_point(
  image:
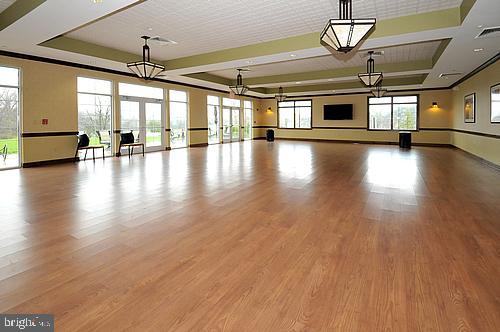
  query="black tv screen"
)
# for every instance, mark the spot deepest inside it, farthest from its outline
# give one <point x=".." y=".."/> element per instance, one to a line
<point x="338" y="112"/>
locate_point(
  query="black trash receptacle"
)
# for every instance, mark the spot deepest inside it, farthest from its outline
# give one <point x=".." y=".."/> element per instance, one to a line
<point x="405" y="140"/>
<point x="270" y="135"/>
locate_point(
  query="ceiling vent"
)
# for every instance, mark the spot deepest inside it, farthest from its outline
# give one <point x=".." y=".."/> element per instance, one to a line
<point x="162" y="41"/>
<point x="489" y="33"/>
<point x="448" y="75"/>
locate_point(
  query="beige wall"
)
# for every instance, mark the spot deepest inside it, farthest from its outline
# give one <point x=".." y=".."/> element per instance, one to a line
<point x="50" y="91"/>
<point x="485" y="147"/>
<point x="429" y="118"/>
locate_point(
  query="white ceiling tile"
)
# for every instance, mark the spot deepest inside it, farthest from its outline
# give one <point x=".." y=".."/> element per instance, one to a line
<point x="201" y="26"/>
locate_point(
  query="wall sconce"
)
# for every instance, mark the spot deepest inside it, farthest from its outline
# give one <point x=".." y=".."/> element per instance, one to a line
<point x="435" y="105"/>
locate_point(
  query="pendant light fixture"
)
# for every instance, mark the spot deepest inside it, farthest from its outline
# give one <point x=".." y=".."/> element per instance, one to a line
<point x="378" y="92"/>
<point x="371" y="78"/>
<point x="239" y="89"/>
<point x="146" y="69"/>
<point x="280" y="97"/>
<point x="343" y="34"/>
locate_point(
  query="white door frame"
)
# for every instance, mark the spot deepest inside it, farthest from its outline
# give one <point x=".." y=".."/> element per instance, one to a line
<point x="142" y="120"/>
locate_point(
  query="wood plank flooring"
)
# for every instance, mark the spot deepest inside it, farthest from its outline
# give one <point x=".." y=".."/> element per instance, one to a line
<point x="288" y="236"/>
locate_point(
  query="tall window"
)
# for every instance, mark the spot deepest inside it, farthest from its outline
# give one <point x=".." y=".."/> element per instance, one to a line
<point x="9" y="117"/>
<point x="295" y="114"/>
<point x="95" y="110"/>
<point x="247" y="119"/>
<point x="393" y="113"/>
<point x="213" y="115"/>
<point x="178" y="118"/>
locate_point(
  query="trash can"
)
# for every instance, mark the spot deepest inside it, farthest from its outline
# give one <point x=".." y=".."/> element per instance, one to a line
<point x="270" y="135"/>
<point x="405" y="140"/>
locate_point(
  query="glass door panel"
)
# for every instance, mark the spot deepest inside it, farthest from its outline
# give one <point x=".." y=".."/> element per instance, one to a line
<point x="213" y="124"/>
<point x="9" y="127"/>
<point x="226" y="125"/>
<point x="247" y="134"/>
<point x="154" y="129"/>
<point x="130" y="118"/>
<point x="235" y="124"/>
<point x="178" y="125"/>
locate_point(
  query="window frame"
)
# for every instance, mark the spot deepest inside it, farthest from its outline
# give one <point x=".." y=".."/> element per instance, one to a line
<point x="294" y="115"/>
<point x="219" y="105"/>
<point x="392" y="112"/>
<point x="112" y="104"/>
<point x="20" y="104"/>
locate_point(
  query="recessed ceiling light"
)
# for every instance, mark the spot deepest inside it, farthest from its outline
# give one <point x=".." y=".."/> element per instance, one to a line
<point x="249" y="62"/>
<point x="330" y="79"/>
<point x="479" y="26"/>
<point x="293" y="55"/>
<point x="150" y="29"/>
<point x="478" y="49"/>
<point x="298" y="82"/>
<point x="97" y="1"/>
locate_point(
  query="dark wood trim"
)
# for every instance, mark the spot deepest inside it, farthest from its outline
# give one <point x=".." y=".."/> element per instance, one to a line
<point x="258" y="138"/>
<point x="476" y="133"/>
<point x="434" y="129"/>
<point x="485" y="65"/>
<point x="479" y="159"/>
<point x="49" y="162"/>
<point x="50" y="134"/>
<point x="167" y="129"/>
<point x="103" y="70"/>
<point x="361" y="142"/>
<point x="197" y="129"/>
<point x="346" y="128"/>
<point x="168" y="148"/>
<point x="263" y="127"/>
<point x="198" y="145"/>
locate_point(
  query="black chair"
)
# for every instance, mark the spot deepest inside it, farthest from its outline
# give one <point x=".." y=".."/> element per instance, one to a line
<point x="128" y="140"/>
<point x="84" y="144"/>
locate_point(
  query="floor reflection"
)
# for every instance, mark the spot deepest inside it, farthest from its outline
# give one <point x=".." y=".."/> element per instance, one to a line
<point x="295" y="161"/>
<point x="392" y="169"/>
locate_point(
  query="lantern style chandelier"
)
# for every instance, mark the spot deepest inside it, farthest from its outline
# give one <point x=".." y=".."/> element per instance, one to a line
<point x="280" y="97"/>
<point x="371" y="78"/>
<point x="146" y="69"/>
<point x="343" y="34"/>
<point x="379" y="92"/>
<point x="239" y="89"/>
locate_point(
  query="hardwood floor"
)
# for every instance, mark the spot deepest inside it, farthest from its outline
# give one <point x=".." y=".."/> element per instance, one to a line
<point x="256" y="237"/>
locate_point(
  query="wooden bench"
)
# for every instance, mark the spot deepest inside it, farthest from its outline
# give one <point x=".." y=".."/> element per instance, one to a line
<point x="93" y="148"/>
<point x="132" y="145"/>
<point x="128" y="140"/>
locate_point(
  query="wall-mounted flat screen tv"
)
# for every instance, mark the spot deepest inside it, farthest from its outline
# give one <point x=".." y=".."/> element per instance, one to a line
<point x="338" y="112"/>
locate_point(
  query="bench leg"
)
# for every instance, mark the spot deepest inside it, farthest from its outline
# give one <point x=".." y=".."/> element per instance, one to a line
<point x="76" y="153"/>
<point x="85" y="158"/>
<point x="143" y="150"/>
<point x="129" y="152"/>
<point x="93" y="155"/>
<point x="103" y="153"/>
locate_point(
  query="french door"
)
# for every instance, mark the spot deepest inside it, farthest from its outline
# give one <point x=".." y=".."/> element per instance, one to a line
<point x="231" y="124"/>
<point x="145" y="118"/>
